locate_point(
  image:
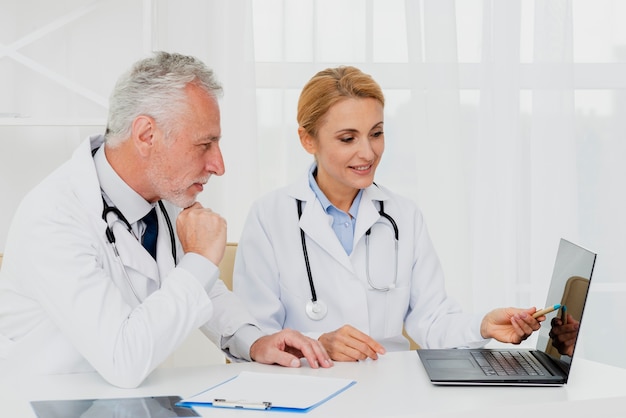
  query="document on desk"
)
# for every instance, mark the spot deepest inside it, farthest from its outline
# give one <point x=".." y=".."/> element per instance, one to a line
<point x="252" y="390"/>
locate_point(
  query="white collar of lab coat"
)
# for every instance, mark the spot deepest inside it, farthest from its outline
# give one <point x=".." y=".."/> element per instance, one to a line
<point x="313" y="215"/>
<point x="302" y="191"/>
<point x="85" y="184"/>
<point x="121" y="195"/>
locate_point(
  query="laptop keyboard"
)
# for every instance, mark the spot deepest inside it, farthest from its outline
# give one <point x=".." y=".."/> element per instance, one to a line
<point x="506" y="363"/>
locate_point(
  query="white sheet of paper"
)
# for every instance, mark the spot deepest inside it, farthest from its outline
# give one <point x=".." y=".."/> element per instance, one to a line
<point x="282" y="390"/>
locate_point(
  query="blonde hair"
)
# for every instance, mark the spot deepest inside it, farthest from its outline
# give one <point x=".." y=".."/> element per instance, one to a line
<point x="329" y="87"/>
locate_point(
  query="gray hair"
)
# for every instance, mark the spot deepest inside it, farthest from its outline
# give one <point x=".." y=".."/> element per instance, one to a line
<point x="155" y="87"/>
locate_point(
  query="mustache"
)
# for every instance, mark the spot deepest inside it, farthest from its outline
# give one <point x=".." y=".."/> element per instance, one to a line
<point x="203" y="180"/>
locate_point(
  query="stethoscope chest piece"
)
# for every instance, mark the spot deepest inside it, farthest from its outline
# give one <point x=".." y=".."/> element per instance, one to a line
<point x="316" y="310"/>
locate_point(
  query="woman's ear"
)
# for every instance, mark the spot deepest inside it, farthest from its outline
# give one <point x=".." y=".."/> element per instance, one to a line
<point x="308" y="142"/>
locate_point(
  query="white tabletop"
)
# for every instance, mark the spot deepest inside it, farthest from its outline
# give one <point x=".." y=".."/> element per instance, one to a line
<point x="396" y="385"/>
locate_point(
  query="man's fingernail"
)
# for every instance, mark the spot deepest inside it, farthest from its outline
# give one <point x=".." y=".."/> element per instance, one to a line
<point x="295" y="363"/>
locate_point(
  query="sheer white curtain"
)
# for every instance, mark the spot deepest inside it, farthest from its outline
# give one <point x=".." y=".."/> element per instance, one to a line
<point x="504" y="119"/>
<point x="221" y="34"/>
<point x="503" y="122"/>
<point x="59" y="61"/>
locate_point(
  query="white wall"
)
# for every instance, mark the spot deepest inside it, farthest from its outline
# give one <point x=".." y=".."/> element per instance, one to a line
<point x="62" y="59"/>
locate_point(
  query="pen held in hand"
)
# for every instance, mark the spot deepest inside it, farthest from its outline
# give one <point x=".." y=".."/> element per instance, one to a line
<point x="564" y="314"/>
<point x="546" y="310"/>
<point x="240" y="404"/>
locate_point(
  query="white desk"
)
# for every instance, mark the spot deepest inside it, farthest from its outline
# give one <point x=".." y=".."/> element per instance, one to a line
<point x="394" y="386"/>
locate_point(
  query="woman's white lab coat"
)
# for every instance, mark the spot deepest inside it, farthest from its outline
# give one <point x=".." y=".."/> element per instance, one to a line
<point x="65" y="303"/>
<point x="270" y="274"/>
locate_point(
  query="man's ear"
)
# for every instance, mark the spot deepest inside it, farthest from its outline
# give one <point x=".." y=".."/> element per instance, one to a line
<point x="308" y="142"/>
<point x="143" y="133"/>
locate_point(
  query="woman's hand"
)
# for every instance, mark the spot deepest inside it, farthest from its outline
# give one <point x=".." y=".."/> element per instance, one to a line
<point x="349" y="344"/>
<point x="510" y="325"/>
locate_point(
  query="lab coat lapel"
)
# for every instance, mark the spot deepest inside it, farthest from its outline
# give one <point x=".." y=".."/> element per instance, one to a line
<point x="313" y="215"/>
<point x="368" y="211"/>
<point x="86" y="186"/>
<point x="135" y="257"/>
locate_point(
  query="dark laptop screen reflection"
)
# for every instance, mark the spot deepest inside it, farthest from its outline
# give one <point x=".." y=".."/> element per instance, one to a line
<point x="147" y="407"/>
<point x="569" y="288"/>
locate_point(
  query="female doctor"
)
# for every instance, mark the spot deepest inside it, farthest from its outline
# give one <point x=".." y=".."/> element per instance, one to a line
<point x="345" y="260"/>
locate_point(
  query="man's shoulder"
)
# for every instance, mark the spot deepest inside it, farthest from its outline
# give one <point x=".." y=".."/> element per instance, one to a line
<point x="52" y="188"/>
<point x="64" y="187"/>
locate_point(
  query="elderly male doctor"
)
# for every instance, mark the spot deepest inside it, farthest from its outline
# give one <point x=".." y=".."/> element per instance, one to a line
<point x="83" y="284"/>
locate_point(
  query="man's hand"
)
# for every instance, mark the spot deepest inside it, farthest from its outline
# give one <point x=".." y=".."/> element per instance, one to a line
<point x="287" y="347"/>
<point x="202" y="231"/>
<point x="349" y="344"/>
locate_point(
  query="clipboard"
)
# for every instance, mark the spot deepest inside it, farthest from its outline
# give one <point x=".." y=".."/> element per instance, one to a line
<point x="270" y="391"/>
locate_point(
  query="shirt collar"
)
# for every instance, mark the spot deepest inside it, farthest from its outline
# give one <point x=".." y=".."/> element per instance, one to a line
<point x="117" y="192"/>
<point x="326" y="204"/>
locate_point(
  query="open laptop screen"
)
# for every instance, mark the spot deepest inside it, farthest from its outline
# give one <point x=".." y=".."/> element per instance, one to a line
<point x="549" y="363"/>
<point x="569" y="286"/>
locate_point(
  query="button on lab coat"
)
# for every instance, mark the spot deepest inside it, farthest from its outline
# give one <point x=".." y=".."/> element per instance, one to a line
<point x="270" y="274"/>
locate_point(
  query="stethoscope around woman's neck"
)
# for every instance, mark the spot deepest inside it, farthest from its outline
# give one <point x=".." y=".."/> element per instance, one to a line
<point x="317" y="309"/>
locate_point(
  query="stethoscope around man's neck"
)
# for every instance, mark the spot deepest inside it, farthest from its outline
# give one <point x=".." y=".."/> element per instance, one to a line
<point x="121" y="218"/>
<point x="108" y="209"/>
<point x="317" y="309"/>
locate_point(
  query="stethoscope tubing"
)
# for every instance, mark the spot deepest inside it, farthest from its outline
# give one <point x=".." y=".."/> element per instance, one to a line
<point x="107" y="210"/>
<point x="306" y="257"/>
<point x="120" y="217"/>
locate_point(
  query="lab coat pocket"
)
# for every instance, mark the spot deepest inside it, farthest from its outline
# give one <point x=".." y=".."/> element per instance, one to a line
<point x="397" y="304"/>
<point x="295" y="300"/>
<point x="131" y="280"/>
<point x="141" y="272"/>
<point x="140" y="284"/>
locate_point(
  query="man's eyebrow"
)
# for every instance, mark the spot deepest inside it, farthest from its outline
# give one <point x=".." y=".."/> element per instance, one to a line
<point x="209" y="139"/>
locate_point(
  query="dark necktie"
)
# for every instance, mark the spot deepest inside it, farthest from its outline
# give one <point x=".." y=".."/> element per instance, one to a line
<point x="149" y="238"/>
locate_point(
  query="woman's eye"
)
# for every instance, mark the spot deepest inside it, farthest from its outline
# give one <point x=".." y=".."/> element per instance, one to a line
<point x="347" y="139"/>
<point x="377" y="134"/>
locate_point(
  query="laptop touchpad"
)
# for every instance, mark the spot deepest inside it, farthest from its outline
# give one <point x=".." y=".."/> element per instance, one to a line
<point x="451" y="364"/>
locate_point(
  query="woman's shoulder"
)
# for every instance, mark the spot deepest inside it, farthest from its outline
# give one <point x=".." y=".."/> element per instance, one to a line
<point x="298" y="190"/>
<point x="384" y="193"/>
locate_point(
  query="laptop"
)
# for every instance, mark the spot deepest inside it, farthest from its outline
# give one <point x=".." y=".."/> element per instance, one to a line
<point x="542" y="366"/>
